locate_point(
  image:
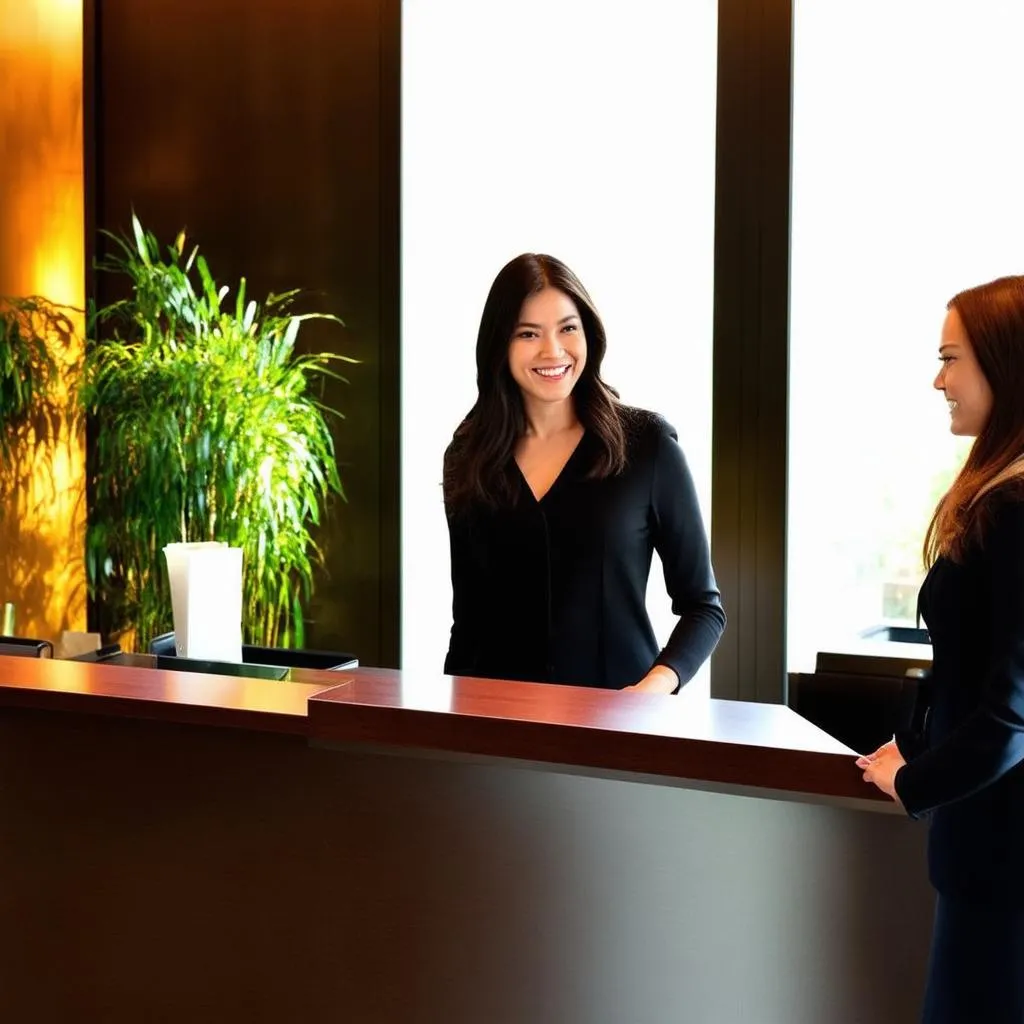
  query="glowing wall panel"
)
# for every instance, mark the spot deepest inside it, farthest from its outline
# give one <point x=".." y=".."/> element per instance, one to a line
<point x="42" y="253"/>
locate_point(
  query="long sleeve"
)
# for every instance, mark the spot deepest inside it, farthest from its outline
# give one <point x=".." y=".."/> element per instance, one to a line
<point x="682" y="545"/>
<point x="465" y="599"/>
<point x="467" y="577"/>
<point x="990" y="741"/>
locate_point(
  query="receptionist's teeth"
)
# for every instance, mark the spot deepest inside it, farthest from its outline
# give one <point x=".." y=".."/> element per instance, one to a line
<point x="952" y="405"/>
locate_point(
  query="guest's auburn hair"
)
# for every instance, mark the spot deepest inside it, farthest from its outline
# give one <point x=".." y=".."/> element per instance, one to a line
<point x="993" y="317"/>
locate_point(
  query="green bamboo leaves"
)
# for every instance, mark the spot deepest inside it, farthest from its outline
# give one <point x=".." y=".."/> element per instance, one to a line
<point x="206" y="425"/>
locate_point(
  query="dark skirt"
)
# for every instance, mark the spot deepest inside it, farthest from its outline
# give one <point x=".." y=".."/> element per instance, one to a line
<point x="976" y="970"/>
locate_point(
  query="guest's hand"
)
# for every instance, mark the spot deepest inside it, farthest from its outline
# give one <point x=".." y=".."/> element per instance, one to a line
<point x="661" y="679"/>
<point x="881" y="767"/>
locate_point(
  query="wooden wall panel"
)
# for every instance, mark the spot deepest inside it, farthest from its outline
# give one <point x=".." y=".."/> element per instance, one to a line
<point x="269" y="131"/>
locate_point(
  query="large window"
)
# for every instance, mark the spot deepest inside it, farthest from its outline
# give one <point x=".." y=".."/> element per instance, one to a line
<point x="580" y="129"/>
<point x="908" y="161"/>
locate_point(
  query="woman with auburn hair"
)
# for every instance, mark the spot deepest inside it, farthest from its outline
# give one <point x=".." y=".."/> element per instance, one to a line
<point x="556" y="495"/>
<point x="965" y="769"/>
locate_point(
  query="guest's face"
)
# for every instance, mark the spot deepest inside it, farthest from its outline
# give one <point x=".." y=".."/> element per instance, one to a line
<point x="548" y="349"/>
<point x="961" y="380"/>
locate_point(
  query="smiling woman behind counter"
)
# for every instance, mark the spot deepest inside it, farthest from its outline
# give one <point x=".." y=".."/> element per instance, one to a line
<point x="556" y="496"/>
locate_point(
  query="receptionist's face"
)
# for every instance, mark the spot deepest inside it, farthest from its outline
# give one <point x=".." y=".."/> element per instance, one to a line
<point x="961" y="380"/>
<point x="547" y="350"/>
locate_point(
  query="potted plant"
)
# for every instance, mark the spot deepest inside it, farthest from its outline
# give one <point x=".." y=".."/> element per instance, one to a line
<point x="205" y="425"/>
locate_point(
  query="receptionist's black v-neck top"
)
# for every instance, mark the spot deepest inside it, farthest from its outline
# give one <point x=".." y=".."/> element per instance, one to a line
<point x="554" y="590"/>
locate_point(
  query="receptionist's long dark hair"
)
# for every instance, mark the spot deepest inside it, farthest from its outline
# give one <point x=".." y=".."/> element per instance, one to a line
<point x="479" y="464"/>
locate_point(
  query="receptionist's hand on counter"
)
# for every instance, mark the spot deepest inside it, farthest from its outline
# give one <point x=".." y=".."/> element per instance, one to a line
<point x="661" y="679"/>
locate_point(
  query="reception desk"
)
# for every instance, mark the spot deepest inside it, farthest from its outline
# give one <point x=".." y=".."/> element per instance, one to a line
<point x="368" y="846"/>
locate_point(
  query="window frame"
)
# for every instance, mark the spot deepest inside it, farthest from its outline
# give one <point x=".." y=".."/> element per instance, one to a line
<point x="749" y="457"/>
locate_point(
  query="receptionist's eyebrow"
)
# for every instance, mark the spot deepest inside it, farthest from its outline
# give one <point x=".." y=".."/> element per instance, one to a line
<point x="537" y="327"/>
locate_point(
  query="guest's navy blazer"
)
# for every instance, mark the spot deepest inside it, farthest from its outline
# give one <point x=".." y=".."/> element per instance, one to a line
<point x="967" y="770"/>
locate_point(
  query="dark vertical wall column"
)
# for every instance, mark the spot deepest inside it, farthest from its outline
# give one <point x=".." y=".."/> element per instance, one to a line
<point x="389" y="13"/>
<point x="751" y="326"/>
<point x="270" y="132"/>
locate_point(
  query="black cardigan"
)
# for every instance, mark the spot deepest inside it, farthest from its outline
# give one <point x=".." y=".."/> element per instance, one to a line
<point x="554" y="590"/>
<point x="969" y="766"/>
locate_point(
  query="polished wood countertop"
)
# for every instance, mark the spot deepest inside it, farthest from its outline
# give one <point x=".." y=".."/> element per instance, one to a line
<point x="265" y="705"/>
<point x="719" y="742"/>
<point x="715" y="742"/>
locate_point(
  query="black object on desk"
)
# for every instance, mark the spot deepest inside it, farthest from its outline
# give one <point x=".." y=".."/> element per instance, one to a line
<point x="246" y="670"/>
<point x="257" y="662"/>
<point x="113" y="655"/>
<point x="284" y="657"/>
<point x="24" y="647"/>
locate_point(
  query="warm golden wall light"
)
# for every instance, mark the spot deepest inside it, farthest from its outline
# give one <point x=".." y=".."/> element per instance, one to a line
<point x="42" y="234"/>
